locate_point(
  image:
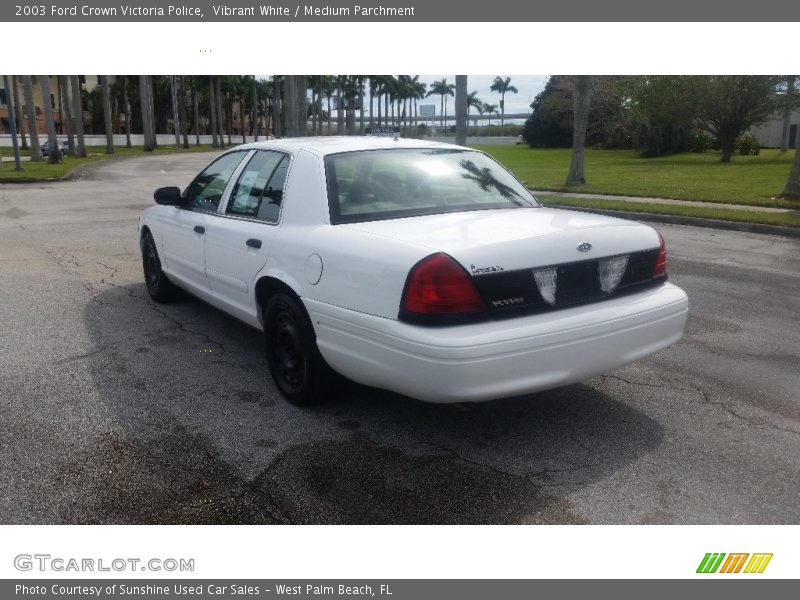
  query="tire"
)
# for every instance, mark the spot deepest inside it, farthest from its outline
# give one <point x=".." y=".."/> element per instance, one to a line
<point x="160" y="288"/>
<point x="295" y="363"/>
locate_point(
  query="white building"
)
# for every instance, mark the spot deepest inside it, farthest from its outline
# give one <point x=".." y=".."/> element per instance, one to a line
<point x="769" y="134"/>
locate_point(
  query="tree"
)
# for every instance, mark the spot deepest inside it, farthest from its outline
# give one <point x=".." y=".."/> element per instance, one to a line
<point x="503" y="87"/>
<point x="551" y="122"/>
<point x="490" y="109"/>
<point x="182" y="110"/>
<point x="12" y="121"/>
<point x="54" y="154"/>
<point x="339" y="106"/>
<point x="443" y="89"/>
<point x="301" y="105"/>
<point x="792" y="189"/>
<point x="220" y="120"/>
<point x="418" y="91"/>
<point x="728" y="105"/>
<point x="18" y="112"/>
<point x="30" y="108"/>
<point x="107" y="114"/>
<point x="195" y="93"/>
<point x="583" y="95"/>
<point x="789" y="104"/>
<point x="126" y="108"/>
<point x="276" y="112"/>
<point x="175" y="119"/>
<point x="254" y="118"/>
<point x="472" y="102"/>
<point x="461" y="109"/>
<point x="212" y="111"/>
<point x="147" y="123"/>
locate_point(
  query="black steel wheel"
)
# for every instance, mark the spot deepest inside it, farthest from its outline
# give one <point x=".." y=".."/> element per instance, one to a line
<point x="160" y="288"/>
<point x="297" y="367"/>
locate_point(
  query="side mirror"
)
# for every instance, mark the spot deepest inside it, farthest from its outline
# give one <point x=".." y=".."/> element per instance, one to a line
<point x="168" y="195"/>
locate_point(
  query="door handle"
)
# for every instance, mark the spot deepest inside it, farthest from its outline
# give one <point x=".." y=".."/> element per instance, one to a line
<point x="199" y="229"/>
<point x="253" y="243"/>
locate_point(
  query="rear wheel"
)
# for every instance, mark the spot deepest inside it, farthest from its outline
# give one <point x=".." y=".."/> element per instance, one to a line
<point x="296" y="365"/>
<point x="160" y="288"/>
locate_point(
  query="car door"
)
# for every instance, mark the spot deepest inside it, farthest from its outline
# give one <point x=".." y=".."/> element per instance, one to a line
<point x="184" y="230"/>
<point x="239" y="240"/>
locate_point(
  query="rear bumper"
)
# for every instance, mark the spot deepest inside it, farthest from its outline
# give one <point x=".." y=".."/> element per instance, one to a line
<point x="499" y="358"/>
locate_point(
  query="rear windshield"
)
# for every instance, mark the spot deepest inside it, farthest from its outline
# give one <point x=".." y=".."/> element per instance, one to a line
<point x="387" y="184"/>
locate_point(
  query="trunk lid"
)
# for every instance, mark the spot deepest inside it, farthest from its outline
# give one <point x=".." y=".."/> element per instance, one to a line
<point x="492" y="241"/>
<point x="504" y="249"/>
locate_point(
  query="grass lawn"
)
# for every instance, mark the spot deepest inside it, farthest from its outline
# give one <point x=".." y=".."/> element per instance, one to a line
<point x="787" y="219"/>
<point x="45" y="171"/>
<point x="755" y="180"/>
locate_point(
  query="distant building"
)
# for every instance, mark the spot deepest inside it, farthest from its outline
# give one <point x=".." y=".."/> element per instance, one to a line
<point x="88" y="83"/>
<point x="770" y="134"/>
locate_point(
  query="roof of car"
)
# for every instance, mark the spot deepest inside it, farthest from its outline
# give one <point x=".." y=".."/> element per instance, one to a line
<point x="336" y="144"/>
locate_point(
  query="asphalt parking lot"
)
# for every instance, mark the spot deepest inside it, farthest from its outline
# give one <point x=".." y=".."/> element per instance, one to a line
<point x="117" y="410"/>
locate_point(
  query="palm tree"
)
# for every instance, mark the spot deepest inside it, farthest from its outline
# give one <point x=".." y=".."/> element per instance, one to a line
<point x="502" y="87"/>
<point x="151" y="107"/>
<point x="339" y="106"/>
<point x="254" y="109"/>
<point x="418" y="91"/>
<point x="301" y="105"/>
<point x="18" y="112"/>
<point x="104" y="88"/>
<point x="27" y="90"/>
<point x="54" y="156"/>
<point x="147" y="123"/>
<point x="77" y="115"/>
<point x="182" y="110"/>
<point x="489" y="109"/>
<point x="581" y="100"/>
<point x="212" y="111"/>
<point x="12" y="121"/>
<point x="277" y="128"/>
<point x="472" y="102"/>
<point x="220" y="120"/>
<point x="361" y="87"/>
<point x="461" y="109"/>
<point x="792" y="188"/>
<point x="195" y="93"/>
<point x="126" y="108"/>
<point x="173" y="89"/>
<point x="443" y="89"/>
<point x="789" y="105"/>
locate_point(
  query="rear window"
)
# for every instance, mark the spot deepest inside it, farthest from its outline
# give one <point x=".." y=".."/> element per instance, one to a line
<point x="387" y="184"/>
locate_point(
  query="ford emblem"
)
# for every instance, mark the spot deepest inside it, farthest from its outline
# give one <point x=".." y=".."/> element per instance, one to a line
<point x="584" y="247"/>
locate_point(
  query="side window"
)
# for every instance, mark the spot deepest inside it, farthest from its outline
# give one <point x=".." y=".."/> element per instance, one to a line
<point x="206" y="190"/>
<point x="259" y="191"/>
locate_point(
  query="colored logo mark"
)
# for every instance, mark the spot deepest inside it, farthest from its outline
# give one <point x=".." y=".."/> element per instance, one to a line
<point x="734" y="563"/>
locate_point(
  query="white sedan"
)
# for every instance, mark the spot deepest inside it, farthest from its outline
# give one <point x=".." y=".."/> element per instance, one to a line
<point x="418" y="267"/>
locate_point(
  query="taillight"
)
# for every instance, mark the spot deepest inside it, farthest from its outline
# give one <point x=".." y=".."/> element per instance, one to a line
<point x="661" y="261"/>
<point x="438" y="285"/>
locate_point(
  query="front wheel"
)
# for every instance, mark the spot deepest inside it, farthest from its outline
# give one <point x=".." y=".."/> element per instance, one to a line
<point x="160" y="288"/>
<point x="297" y="367"/>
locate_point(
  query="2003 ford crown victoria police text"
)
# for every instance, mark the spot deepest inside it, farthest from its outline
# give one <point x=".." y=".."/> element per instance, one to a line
<point x="418" y="267"/>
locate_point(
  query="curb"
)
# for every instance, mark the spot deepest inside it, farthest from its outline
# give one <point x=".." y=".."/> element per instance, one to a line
<point x="74" y="173"/>
<point x="792" y="232"/>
